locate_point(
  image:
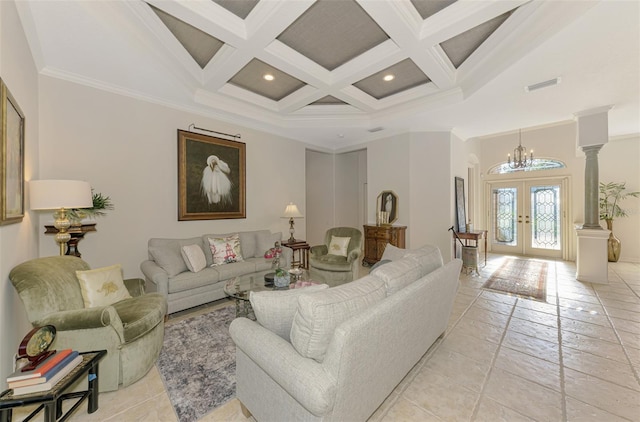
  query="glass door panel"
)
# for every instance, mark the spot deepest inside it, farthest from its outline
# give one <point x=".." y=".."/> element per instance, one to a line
<point x="526" y="218"/>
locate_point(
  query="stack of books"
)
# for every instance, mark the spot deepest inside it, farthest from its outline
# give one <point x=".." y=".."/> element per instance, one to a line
<point x="45" y="376"/>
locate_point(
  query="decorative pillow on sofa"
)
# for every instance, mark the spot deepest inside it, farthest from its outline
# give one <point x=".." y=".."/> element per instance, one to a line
<point x="102" y="286"/>
<point x="225" y="249"/>
<point x="275" y="310"/>
<point x="194" y="257"/>
<point x="338" y="246"/>
<point x="392" y="253"/>
<point x="319" y="314"/>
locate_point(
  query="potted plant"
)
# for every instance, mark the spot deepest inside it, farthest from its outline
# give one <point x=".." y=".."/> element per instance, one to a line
<point x="611" y="194"/>
<point x="101" y="203"/>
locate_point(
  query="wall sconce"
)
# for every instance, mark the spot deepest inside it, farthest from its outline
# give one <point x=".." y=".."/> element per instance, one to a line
<point x="60" y="195"/>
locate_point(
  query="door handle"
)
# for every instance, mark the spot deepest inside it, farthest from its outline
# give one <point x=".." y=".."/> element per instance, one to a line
<point x="527" y="217"/>
<point x="519" y="219"/>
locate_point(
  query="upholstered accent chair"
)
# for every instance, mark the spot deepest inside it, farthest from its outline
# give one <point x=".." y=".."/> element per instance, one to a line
<point x="337" y="260"/>
<point x="131" y="330"/>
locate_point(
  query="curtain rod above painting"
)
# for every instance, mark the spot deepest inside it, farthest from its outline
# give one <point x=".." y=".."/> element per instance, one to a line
<point x="193" y="126"/>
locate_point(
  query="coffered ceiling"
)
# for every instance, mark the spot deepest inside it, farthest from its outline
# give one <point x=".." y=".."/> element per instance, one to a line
<point x="336" y="73"/>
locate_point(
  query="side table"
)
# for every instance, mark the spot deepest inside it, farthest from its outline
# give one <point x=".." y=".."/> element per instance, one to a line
<point x="302" y="247"/>
<point x="51" y="401"/>
<point x="475" y="236"/>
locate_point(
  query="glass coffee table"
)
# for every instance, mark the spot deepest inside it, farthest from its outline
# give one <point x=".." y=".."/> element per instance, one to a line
<point x="239" y="288"/>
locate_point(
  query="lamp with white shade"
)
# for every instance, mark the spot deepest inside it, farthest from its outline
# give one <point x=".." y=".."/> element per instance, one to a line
<point x="60" y="195"/>
<point x="291" y="212"/>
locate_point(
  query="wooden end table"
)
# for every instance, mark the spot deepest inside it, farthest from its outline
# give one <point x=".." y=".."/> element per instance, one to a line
<point x="51" y="401"/>
<point x="302" y="247"/>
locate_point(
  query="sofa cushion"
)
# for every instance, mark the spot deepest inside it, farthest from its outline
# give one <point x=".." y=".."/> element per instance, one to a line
<point x="166" y="253"/>
<point x="193" y="257"/>
<point x="392" y="253"/>
<point x="262" y="264"/>
<point x="398" y="274"/>
<point x="102" y="286"/>
<point x="330" y="262"/>
<point x="265" y="241"/>
<point x="318" y="314"/>
<point x="249" y="242"/>
<point x="275" y="309"/>
<point x="236" y="269"/>
<point x="141" y="314"/>
<point x="429" y="258"/>
<point x="188" y="280"/>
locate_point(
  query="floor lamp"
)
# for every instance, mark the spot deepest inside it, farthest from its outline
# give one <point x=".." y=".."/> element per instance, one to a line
<point x="60" y="195"/>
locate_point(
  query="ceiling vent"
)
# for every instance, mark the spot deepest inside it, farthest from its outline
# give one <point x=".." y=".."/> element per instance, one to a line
<point x="375" y="129"/>
<point x="540" y="85"/>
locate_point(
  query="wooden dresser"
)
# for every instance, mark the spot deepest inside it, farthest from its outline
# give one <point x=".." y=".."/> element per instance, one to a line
<point x="377" y="237"/>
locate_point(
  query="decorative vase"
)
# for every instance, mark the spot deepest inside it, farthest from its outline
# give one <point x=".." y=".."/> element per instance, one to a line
<point x="613" y="243"/>
<point x="281" y="281"/>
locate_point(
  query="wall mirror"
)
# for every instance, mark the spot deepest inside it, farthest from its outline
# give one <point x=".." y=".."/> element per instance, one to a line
<point x="387" y="208"/>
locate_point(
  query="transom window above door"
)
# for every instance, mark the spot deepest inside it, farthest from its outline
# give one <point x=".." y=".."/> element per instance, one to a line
<point x="538" y="164"/>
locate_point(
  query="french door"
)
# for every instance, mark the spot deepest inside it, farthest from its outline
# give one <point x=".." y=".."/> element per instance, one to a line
<point x="526" y="217"/>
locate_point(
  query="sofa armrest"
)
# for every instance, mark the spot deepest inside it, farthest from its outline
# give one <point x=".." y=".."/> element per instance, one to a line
<point x="353" y="255"/>
<point x="319" y="250"/>
<point x="303" y="379"/>
<point x="84" y="319"/>
<point x="135" y="286"/>
<point x="156" y="275"/>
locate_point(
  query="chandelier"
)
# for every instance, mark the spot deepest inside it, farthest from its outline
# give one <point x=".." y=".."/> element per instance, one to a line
<point x="520" y="159"/>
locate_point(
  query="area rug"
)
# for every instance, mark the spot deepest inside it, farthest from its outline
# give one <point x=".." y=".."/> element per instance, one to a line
<point x="521" y="277"/>
<point x="198" y="363"/>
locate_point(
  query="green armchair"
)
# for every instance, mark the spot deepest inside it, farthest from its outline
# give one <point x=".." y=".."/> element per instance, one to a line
<point x="131" y="330"/>
<point x="336" y="269"/>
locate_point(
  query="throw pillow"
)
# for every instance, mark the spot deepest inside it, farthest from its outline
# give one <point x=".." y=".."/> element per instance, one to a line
<point x="225" y="249"/>
<point x="194" y="257"/>
<point x="102" y="286"/>
<point x="320" y="313"/>
<point x="338" y="246"/>
<point x="275" y="310"/>
<point x="392" y="253"/>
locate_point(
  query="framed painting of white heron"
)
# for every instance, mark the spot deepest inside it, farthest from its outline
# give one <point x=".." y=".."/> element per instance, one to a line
<point x="211" y="177"/>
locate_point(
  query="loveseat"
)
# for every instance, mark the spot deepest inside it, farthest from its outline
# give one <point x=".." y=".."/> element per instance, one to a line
<point x="170" y="272"/>
<point x="349" y="346"/>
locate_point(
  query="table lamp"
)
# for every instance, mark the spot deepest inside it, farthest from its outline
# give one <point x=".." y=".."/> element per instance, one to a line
<point x="291" y="212"/>
<point x="60" y="195"/>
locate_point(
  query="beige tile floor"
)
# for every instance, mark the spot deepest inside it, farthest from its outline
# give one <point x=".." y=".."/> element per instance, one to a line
<point x="574" y="358"/>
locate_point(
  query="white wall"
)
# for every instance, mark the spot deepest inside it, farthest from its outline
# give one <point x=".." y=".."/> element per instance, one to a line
<point x="127" y="149"/>
<point x="18" y="242"/>
<point x="619" y="162"/>
<point x="320" y="177"/>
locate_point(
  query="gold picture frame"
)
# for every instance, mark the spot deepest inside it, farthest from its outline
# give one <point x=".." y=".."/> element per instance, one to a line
<point x="211" y="177"/>
<point x="12" y="159"/>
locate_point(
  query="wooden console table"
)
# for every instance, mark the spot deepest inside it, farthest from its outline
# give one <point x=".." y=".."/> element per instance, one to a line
<point x="303" y="253"/>
<point x="376" y="239"/>
<point x="475" y="236"/>
<point x="77" y="234"/>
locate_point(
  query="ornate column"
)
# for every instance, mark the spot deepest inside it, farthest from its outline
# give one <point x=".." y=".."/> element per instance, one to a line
<point x="591" y="259"/>
<point x="591" y="188"/>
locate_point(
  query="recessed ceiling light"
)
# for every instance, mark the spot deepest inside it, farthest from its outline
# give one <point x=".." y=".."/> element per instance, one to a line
<point x="268" y="77"/>
<point x="388" y="77"/>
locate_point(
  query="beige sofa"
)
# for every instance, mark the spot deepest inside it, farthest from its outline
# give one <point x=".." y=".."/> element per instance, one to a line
<point x="349" y="346"/>
<point x="167" y="272"/>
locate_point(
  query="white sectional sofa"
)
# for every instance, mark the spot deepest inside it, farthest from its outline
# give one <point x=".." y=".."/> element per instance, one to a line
<point x="166" y="270"/>
<point x="349" y="346"/>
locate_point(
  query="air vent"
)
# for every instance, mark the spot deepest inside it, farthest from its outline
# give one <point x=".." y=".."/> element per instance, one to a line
<point x="540" y="85"/>
<point x="376" y="129"/>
